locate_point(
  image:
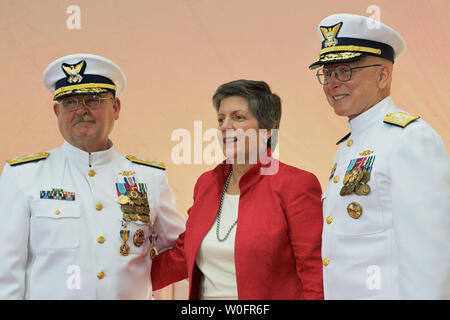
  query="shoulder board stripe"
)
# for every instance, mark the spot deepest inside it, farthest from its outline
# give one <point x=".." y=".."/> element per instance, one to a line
<point x="400" y="119"/>
<point x="27" y="159"/>
<point x="149" y="163"/>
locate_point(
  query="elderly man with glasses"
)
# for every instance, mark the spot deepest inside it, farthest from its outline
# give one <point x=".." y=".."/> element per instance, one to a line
<point x="386" y="209"/>
<point x="83" y="221"/>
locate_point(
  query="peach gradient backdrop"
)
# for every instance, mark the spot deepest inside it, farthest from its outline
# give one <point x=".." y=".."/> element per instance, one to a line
<point x="175" y="53"/>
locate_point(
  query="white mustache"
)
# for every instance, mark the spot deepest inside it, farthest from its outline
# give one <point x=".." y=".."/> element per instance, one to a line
<point x="83" y="118"/>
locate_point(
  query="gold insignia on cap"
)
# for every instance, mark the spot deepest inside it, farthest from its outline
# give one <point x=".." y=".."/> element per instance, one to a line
<point x="74" y="71"/>
<point x="150" y="163"/>
<point x="330" y="33"/>
<point x="400" y="119"/>
<point x="28" y="158"/>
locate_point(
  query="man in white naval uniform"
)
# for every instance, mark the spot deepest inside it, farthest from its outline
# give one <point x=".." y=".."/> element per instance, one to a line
<point x="82" y="221"/>
<point x="386" y="229"/>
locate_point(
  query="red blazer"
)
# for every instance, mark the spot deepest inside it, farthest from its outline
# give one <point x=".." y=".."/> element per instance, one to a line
<point x="278" y="235"/>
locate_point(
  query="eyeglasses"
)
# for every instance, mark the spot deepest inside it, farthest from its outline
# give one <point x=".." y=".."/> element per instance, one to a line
<point x="342" y="73"/>
<point x="90" y="102"/>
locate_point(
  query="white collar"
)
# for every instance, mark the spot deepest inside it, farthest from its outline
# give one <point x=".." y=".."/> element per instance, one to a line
<point x="85" y="159"/>
<point x="371" y="116"/>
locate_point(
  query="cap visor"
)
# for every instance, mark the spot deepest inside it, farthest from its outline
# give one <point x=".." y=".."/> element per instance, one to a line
<point x="336" y="57"/>
<point x="72" y="92"/>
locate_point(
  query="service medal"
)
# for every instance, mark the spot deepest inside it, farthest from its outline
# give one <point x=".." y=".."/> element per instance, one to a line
<point x="366" y="177"/>
<point x="139" y="209"/>
<point x="133" y="194"/>
<point x="346" y="178"/>
<point x="357" y="189"/>
<point x="145" y="219"/>
<point x="343" y="191"/>
<point x="354" y="210"/>
<point x="137" y="201"/>
<point x="359" y="175"/>
<point x="138" y="238"/>
<point x="153" y="253"/>
<point x="124" y="247"/>
<point x="123" y="199"/>
<point x="364" y="189"/>
<point x="133" y="216"/>
<point x="350" y="189"/>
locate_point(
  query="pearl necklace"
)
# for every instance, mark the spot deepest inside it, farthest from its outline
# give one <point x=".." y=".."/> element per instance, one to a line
<point x="219" y="214"/>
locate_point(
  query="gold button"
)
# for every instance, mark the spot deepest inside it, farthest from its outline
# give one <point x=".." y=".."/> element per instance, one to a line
<point x="100" y="275"/>
<point x="91" y="173"/>
<point x="100" y="239"/>
<point x="336" y="179"/>
<point x="57" y="212"/>
<point x="329" y="219"/>
<point x="326" y="261"/>
<point x="349" y="142"/>
<point x="99" y="206"/>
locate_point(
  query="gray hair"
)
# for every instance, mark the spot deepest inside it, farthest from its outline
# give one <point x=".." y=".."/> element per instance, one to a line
<point x="263" y="104"/>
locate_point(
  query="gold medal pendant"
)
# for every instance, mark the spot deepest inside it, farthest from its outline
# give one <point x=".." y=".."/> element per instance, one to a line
<point x="123" y="199"/>
<point x="346" y="178"/>
<point x="366" y="177"/>
<point x="343" y="191"/>
<point x="133" y="194"/>
<point x="358" y="189"/>
<point x="124" y="247"/>
<point x="364" y="189"/>
<point x="153" y="252"/>
<point x="139" y="237"/>
<point x="359" y="175"/>
<point x="351" y="188"/>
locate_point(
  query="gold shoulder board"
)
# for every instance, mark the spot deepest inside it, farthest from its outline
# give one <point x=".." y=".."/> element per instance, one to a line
<point x="26" y="159"/>
<point x="400" y="119"/>
<point x="150" y="163"/>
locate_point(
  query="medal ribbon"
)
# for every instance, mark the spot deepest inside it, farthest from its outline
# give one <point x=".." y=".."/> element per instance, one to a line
<point x="371" y="163"/>
<point x="153" y="238"/>
<point x="358" y="163"/>
<point x="124" y="235"/>
<point x="130" y="181"/>
<point x="350" y="165"/>
<point x="143" y="188"/>
<point x="121" y="189"/>
<point x="363" y="163"/>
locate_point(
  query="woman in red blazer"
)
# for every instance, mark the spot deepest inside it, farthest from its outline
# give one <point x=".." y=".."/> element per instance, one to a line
<point x="254" y="230"/>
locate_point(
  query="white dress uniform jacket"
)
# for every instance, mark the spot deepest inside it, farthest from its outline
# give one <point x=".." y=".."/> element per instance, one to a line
<point x="62" y="249"/>
<point x="399" y="247"/>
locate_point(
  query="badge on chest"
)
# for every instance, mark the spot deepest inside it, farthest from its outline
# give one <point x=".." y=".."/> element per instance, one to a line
<point x="133" y="199"/>
<point x="357" y="175"/>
